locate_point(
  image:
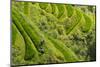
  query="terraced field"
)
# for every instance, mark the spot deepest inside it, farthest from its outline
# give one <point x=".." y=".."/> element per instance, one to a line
<point x="44" y="33"/>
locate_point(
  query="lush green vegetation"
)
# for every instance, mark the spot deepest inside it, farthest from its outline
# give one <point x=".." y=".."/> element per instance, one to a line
<point x="52" y="33"/>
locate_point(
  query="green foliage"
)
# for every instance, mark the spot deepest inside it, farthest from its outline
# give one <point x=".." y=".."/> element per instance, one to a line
<point x="51" y="33"/>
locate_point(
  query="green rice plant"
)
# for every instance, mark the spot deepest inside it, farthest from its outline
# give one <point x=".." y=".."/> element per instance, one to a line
<point x="51" y="33"/>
